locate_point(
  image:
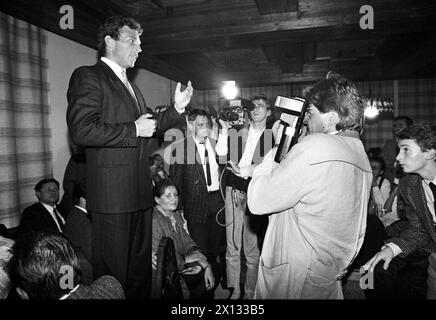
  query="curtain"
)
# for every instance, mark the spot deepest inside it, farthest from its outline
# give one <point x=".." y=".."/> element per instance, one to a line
<point x="25" y="155"/>
<point x="417" y="99"/>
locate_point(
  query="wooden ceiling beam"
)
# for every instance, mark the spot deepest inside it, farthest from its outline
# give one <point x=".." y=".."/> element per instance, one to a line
<point x="248" y="21"/>
<point x="276" y="6"/>
<point x="345" y="32"/>
<point x="45" y="14"/>
<point x="402" y="55"/>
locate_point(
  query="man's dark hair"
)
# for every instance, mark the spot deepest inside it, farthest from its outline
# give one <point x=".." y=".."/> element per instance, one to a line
<point x="37" y="264"/>
<point x="424" y="135"/>
<point x="79" y="191"/>
<point x="161" y="186"/>
<point x="111" y="27"/>
<point x="336" y="93"/>
<point x="261" y="96"/>
<point x="194" y="113"/>
<point x="406" y="119"/>
<point x="379" y="160"/>
<point x="39" y="185"/>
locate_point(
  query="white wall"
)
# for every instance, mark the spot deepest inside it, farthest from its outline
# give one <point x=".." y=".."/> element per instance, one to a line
<point x="64" y="56"/>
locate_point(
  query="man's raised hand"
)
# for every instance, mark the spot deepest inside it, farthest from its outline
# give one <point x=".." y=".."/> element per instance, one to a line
<point x="182" y="98"/>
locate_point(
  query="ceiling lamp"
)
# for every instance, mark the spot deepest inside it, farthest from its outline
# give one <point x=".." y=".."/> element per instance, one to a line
<point x="379" y="108"/>
<point x="229" y="90"/>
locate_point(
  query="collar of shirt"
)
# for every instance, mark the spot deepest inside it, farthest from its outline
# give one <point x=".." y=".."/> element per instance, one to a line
<point x="197" y="142"/>
<point x="429" y="197"/>
<point x="82" y="209"/>
<point x="50" y="209"/>
<point x="116" y="68"/>
<point x="69" y="293"/>
<point x="428" y="181"/>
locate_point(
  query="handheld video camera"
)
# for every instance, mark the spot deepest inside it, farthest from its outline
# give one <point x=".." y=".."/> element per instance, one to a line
<point x="233" y="112"/>
<point x="291" y="122"/>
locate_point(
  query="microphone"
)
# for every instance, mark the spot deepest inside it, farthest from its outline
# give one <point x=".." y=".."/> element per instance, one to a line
<point x="291" y="122"/>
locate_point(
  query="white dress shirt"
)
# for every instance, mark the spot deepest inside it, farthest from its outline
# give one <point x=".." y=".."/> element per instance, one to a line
<point x="50" y="209"/>
<point x="221" y="150"/>
<point x="245" y="163"/>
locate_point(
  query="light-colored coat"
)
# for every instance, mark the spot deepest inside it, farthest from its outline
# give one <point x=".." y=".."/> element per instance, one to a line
<point x="318" y="198"/>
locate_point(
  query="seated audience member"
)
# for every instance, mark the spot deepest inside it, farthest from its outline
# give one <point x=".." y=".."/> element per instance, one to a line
<point x="157" y="168"/>
<point x="78" y="229"/>
<point x="380" y="186"/>
<point x="45" y="266"/>
<point x="168" y="222"/>
<point x="390" y="148"/>
<point x="43" y="216"/>
<point x="404" y="271"/>
<point x="394" y="218"/>
<point x="5" y="283"/>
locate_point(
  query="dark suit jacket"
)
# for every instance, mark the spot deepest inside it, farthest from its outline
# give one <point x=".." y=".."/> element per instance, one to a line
<point x="105" y="287"/>
<point x="37" y="218"/>
<point x="420" y="233"/>
<point x="188" y="175"/>
<point x="100" y="116"/>
<point x="78" y="229"/>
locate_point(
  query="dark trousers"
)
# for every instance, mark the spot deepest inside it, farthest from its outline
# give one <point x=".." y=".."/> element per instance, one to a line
<point x="122" y="248"/>
<point x="406" y="278"/>
<point x="209" y="236"/>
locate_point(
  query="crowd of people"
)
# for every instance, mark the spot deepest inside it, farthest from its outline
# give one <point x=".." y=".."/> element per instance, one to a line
<point x="261" y="229"/>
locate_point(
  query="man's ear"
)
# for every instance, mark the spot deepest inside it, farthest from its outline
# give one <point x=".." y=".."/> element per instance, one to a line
<point x="109" y="43"/>
<point x="22" y="294"/>
<point x="430" y="154"/>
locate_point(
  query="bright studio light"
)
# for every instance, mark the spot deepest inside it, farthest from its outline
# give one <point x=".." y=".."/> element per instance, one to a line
<point x="371" y="111"/>
<point x="229" y="90"/>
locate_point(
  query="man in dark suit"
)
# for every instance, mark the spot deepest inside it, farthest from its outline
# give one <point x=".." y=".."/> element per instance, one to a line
<point x="404" y="273"/>
<point x="106" y="115"/>
<point x="43" y="216"/>
<point x="195" y="172"/>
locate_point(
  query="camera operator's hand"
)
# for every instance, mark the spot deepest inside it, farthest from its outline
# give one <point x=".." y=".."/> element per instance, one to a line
<point x="233" y="167"/>
<point x="145" y="126"/>
<point x="224" y="125"/>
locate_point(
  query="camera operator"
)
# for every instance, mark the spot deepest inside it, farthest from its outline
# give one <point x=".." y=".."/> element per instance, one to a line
<point x="242" y="228"/>
<point x="317" y="197"/>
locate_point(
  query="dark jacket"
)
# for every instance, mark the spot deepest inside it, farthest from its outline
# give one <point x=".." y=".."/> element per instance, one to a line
<point x="420" y="232"/>
<point x="37" y="218"/>
<point x="100" y="116"/>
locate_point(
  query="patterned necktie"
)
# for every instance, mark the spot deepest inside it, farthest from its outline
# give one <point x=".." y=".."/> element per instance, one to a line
<point x="58" y="219"/>
<point x="126" y="83"/>
<point x="206" y="160"/>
